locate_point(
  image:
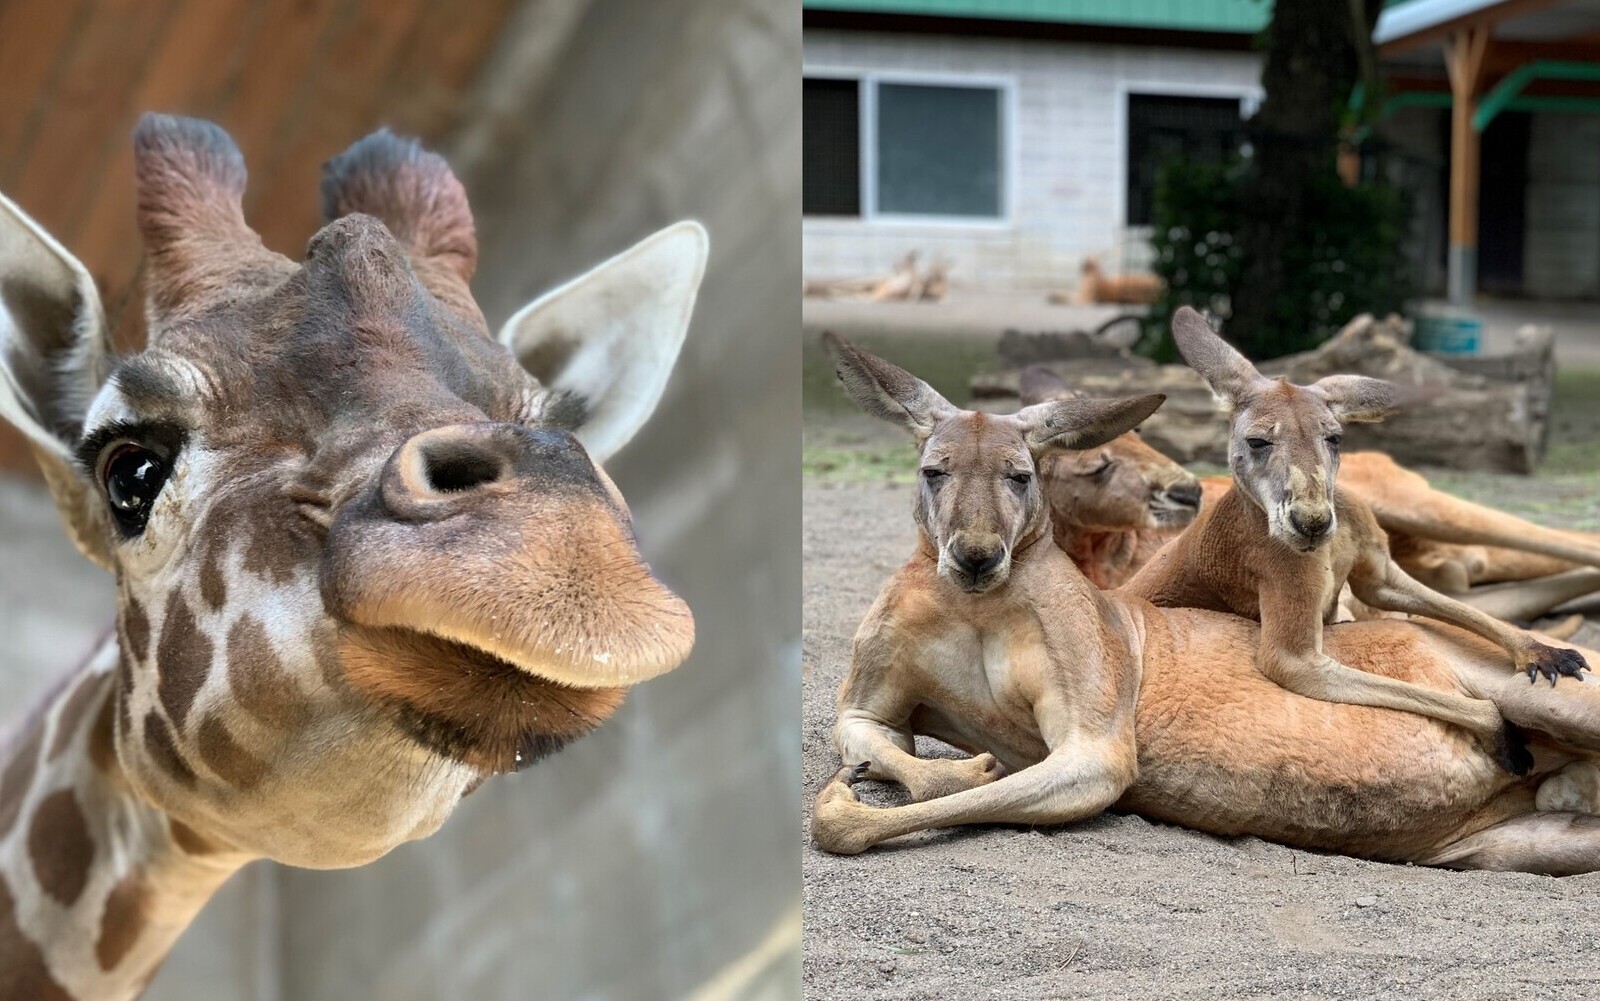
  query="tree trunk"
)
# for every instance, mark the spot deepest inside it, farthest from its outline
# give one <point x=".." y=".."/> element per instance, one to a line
<point x="1316" y="52"/>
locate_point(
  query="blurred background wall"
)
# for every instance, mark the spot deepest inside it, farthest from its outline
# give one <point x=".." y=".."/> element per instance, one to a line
<point x="657" y="858"/>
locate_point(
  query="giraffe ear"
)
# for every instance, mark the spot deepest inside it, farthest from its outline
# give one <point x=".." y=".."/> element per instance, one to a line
<point x="609" y="338"/>
<point x="53" y="359"/>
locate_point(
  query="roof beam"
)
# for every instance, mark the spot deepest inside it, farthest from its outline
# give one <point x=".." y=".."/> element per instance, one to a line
<point x="1424" y="22"/>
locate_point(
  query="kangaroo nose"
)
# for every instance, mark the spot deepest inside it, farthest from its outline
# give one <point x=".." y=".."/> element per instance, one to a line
<point x="1312" y="528"/>
<point x="979" y="562"/>
<point x="1185" y="494"/>
<point x="437" y="472"/>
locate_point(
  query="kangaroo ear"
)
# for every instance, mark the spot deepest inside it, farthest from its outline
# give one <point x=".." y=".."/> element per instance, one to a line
<point x="1039" y="385"/>
<point x="1356" y="399"/>
<point x="885" y="390"/>
<point x="1083" y="423"/>
<point x="53" y="359"/>
<point x="607" y="340"/>
<point x="1226" y="371"/>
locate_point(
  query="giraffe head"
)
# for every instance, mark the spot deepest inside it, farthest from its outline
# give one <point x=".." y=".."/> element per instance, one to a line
<point x="364" y="550"/>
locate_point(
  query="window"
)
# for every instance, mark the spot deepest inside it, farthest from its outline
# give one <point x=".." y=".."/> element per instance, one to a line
<point x="831" y="156"/>
<point x="1163" y="128"/>
<point x="938" y="150"/>
<point x="928" y="149"/>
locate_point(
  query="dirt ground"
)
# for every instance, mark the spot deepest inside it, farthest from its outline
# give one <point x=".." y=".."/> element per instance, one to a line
<point x="1121" y="907"/>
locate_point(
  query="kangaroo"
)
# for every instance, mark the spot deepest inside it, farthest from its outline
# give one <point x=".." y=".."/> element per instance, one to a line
<point x="1074" y="699"/>
<point x="1282" y="544"/>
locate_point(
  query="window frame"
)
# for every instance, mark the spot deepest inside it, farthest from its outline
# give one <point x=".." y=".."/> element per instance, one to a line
<point x="867" y="82"/>
<point x="1248" y="96"/>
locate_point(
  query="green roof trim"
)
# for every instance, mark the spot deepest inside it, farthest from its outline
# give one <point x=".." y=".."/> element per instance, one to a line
<point x="1237" y="16"/>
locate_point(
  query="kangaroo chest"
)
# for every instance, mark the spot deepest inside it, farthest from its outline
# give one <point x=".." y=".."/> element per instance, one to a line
<point x="979" y="689"/>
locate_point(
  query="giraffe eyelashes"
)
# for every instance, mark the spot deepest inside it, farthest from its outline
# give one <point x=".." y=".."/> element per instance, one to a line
<point x="132" y="465"/>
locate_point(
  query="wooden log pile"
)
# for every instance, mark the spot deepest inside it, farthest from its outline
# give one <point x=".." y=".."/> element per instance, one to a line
<point x="1477" y="413"/>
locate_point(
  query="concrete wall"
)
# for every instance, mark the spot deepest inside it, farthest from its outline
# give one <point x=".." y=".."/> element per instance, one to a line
<point x="1069" y="168"/>
<point x="1561" y="255"/>
<point x="659" y="857"/>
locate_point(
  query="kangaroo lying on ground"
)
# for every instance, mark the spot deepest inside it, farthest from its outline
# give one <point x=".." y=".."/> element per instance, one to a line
<point x="1282" y="544"/>
<point x="1076" y="699"/>
<point x="1112" y="506"/>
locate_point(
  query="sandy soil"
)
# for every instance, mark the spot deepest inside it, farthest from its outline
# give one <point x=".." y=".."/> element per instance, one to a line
<point x="1120" y="907"/>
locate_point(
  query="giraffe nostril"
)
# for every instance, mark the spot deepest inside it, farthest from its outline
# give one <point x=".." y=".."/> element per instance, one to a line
<point x="453" y="467"/>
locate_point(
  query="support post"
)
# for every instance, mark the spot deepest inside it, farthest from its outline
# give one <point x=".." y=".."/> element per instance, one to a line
<point x="1464" y="54"/>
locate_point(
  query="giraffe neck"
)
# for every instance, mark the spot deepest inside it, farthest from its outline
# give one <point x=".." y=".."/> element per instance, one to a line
<point x="96" y="884"/>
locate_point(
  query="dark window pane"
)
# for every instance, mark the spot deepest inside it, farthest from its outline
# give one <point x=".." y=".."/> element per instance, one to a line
<point x="938" y="150"/>
<point x="1162" y="129"/>
<point x="831" y="157"/>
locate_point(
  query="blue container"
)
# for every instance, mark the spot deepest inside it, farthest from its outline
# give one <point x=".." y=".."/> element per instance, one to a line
<point x="1453" y="333"/>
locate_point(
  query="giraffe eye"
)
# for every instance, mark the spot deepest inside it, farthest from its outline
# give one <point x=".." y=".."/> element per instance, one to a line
<point x="133" y="476"/>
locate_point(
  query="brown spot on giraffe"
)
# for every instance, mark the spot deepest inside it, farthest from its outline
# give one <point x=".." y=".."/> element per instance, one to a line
<point x="190" y="841"/>
<point x="61" y="847"/>
<point x="18" y="776"/>
<point x="125" y="689"/>
<point x="223" y="755"/>
<point x="261" y="685"/>
<point x="73" y="711"/>
<point x="23" y="973"/>
<point x="213" y="587"/>
<point x="136" y="628"/>
<point x="121" y="921"/>
<point x="158" y="743"/>
<point x="103" y="736"/>
<point x="183" y="658"/>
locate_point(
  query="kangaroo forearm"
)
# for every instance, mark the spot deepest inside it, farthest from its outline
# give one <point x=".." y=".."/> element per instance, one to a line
<point x="1051" y="792"/>
<point x="1330" y="681"/>
<point x="1415" y="599"/>
<point x="860" y="737"/>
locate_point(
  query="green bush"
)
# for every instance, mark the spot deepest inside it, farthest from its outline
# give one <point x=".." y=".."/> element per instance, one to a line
<point x="1351" y="260"/>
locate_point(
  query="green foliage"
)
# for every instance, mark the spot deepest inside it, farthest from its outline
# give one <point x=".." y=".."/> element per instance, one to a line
<point x="1348" y="259"/>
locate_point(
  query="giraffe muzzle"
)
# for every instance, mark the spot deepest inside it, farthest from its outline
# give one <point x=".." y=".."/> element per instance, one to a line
<point x="510" y="541"/>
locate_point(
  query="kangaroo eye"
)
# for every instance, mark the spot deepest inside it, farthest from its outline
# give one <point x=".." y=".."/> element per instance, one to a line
<point x="1258" y="443"/>
<point x="1104" y="469"/>
<point x="1022" y="479"/>
<point x="133" y="476"/>
<point x="931" y="474"/>
<point x="1335" y="439"/>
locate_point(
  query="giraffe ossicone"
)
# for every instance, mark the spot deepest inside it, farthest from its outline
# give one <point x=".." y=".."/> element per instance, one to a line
<point x="366" y="554"/>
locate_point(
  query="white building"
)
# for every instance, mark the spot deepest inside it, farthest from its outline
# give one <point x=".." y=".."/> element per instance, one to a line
<point x="1013" y="148"/>
<point x="1015" y="138"/>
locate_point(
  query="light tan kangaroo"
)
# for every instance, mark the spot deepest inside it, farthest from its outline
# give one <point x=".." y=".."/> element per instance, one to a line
<point x="1112" y="506"/>
<point x="1284" y="542"/>
<point x="1074" y="699"/>
<point x="1104" y="525"/>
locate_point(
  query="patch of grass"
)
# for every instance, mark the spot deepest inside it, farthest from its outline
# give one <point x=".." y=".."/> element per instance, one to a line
<point x="946" y="363"/>
<point x="1574" y="423"/>
<point x="847" y="455"/>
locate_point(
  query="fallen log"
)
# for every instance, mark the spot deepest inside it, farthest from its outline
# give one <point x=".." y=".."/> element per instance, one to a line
<point x="1452" y="415"/>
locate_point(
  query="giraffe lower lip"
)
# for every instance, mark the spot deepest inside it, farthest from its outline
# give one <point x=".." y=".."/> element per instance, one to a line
<point x="467" y="704"/>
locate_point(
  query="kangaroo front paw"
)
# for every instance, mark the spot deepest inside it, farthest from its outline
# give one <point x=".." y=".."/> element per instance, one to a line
<point x="938" y="777"/>
<point x="1511" y="750"/>
<point x="1553" y="662"/>
<point x="838" y="818"/>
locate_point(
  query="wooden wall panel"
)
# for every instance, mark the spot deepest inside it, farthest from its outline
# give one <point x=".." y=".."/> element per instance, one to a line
<point x="294" y="81"/>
